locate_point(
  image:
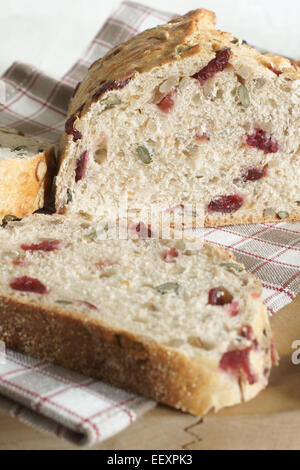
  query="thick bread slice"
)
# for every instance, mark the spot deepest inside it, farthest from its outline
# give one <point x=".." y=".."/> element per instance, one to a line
<point x="172" y="320"/>
<point x="26" y="170"/>
<point x="184" y="114"/>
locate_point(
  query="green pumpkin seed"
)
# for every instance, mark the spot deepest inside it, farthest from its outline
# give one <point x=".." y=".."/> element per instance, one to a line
<point x="20" y="147"/>
<point x="233" y="267"/>
<point x="8" y="218"/>
<point x="183" y="48"/>
<point x="244" y="96"/>
<point x="69" y="196"/>
<point x="110" y="101"/>
<point x="144" y="154"/>
<point x="168" y="287"/>
<point x="91" y="236"/>
<point x="64" y="302"/>
<point x="282" y="214"/>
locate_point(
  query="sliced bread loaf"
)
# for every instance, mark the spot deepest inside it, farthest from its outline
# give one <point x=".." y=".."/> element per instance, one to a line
<point x="26" y="170"/>
<point x="183" y="114"/>
<point x="174" y="320"/>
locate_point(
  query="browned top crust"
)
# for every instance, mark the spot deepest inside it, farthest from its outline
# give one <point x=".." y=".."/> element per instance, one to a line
<point x="186" y="35"/>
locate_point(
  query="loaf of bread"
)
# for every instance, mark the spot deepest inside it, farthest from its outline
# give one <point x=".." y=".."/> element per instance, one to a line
<point x="174" y="320"/>
<point x="184" y="114"/>
<point x="26" y="171"/>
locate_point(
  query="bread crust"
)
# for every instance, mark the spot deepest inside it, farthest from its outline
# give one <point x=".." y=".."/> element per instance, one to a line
<point x="22" y="189"/>
<point x="134" y="363"/>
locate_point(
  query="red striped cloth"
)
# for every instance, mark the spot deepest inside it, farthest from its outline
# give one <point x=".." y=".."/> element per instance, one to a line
<point x="62" y="402"/>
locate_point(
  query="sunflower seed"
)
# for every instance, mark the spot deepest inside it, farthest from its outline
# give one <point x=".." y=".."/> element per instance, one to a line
<point x="144" y="154"/>
<point x="110" y="101"/>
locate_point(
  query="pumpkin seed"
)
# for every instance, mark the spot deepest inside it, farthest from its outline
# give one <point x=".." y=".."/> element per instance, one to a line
<point x="92" y="236"/>
<point x="233" y="266"/>
<point x="168" y="287"/>
<point x="183" y="48"/>
<point x="110" y="101"/>
<point x="64" y="302"/>
<point x="282" y="214"/>
<point x="8" y="218"/>
<point x="69" y="196"/>
<point x="244" y="96"/>
<point x="20" y="147"/>
<point x="144" y="154"/>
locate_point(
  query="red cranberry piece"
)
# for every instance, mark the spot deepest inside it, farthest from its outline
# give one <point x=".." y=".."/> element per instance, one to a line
<point x="237" y="361"/>
<point x="247" y="332"/>
<point x="233" y="309"/>
<point x="81" y="166"/>
<point x="262" y="141"/>
<point x="143" y="231"/>
<point x="219" y="296"/>
<point x="43" y="246"/>
<point x="69" y="127"/>
<point x="215" y="65"/>
<point x="226" y="204"/>
<point x="275" y="70"/>
<point x="254" y="174"/>
<point x="166" y="105"/>
<point x="19" y="262"/>
<point x="169" y="256"/>
<point x="28" y="284"/>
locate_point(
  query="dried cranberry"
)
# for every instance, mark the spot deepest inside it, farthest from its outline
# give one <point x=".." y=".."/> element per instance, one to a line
<point x="233" y="309"/>
<point x="226" y="204"/>
<point x="215" y="65"/>
<point x="113" y="53"/>
<point x="169" y="256"/>
<point x="111" y="85"/>
<point x="69" y="127"/>
<point x="143" y="231"/>
<point x="247" y="332"/>
<point x="19" y="262"/>
<point x="166" y="105"/>
<point x="43" y="246"/>
<point x="275" y="70"/>
<point x="236" y="361"/>
<point x="81" y="166"/>
<point x="28" y="284"/>
<point x="262" y="141"/>
<point x="254" y="174"/>
<point x="219" y="296"/>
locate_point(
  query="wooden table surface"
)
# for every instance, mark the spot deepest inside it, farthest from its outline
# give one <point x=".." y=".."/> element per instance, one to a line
<point x="270" y="421"/>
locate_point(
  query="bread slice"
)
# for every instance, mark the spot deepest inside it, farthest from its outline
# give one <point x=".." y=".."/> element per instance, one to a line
<point x="26" y="170"/>
<point x="174" y="320"/>
<point x="184" y="114"/>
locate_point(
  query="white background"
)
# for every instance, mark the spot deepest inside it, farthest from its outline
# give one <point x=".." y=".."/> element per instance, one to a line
<point x="51" y="34"/>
